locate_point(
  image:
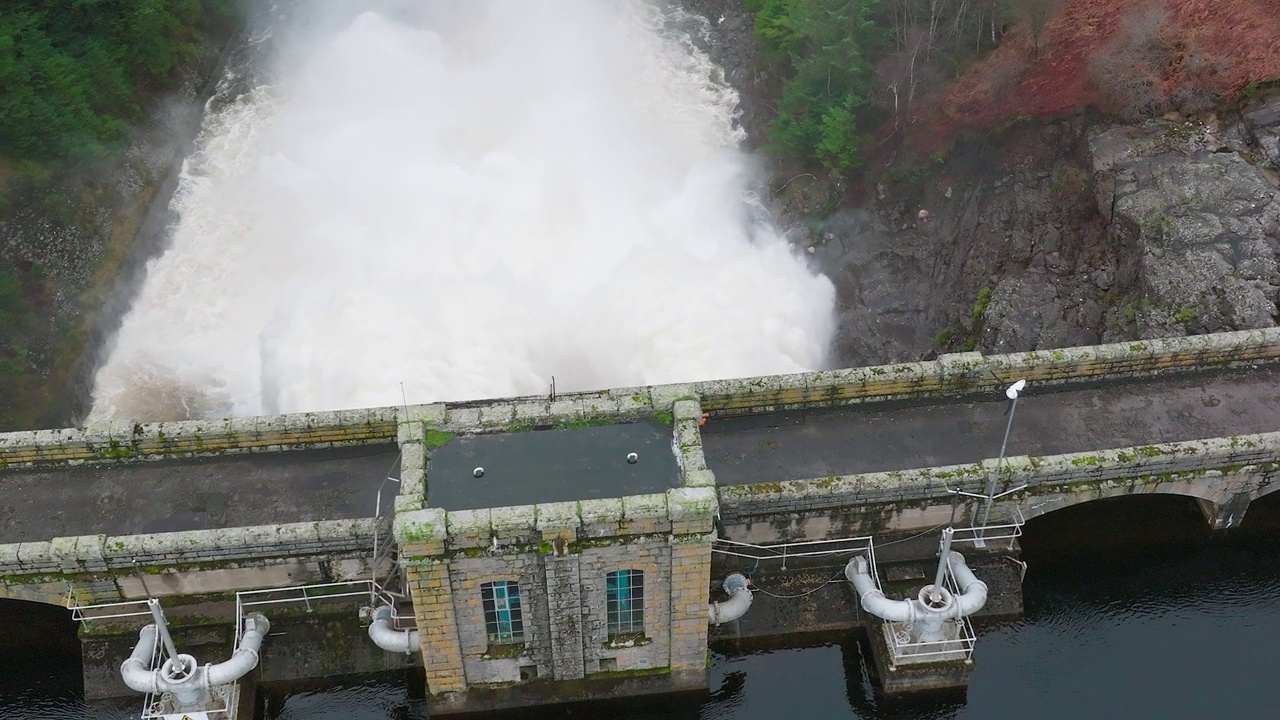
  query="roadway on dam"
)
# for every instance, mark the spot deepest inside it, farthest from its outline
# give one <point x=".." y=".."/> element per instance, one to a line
<point x="827" y="442"/>
<point x="194" y="494"/>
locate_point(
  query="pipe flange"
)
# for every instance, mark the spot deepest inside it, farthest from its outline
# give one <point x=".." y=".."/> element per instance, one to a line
<point x="935" y="599"/>
<point x="178" y="670"/>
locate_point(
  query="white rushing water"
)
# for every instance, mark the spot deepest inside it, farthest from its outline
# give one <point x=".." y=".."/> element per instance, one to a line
<point x="465" y="198"/>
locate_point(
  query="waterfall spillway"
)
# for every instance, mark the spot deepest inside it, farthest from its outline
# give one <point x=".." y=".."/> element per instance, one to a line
<point x="467" y="198"/>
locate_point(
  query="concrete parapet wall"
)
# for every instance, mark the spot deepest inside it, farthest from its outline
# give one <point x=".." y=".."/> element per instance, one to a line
<point x="123" y="442"/>
<point x="1219" y="471"/>
<point x="974" y="372"/>
<point x="438" y="533"/>
<point x="504" y="415"/>
<point x="949" y="375"/>
<point x="101" y="568"/>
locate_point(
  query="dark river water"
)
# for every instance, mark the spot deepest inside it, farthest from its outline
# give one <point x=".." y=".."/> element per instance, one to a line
<point x="1132" y="611"/>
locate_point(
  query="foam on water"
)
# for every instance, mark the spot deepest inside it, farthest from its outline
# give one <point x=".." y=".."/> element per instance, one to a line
<point x="467" y="198"/>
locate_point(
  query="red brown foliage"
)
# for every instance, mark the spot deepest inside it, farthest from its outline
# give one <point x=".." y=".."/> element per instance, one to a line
<point x="1238" y="38"/>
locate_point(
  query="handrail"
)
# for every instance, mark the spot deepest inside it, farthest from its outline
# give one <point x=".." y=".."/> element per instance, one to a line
<point x="962" y="644"/>
<point x="383" y="552"/>
<point x="306" y="594"/>
<point x="783" y="551"/>
<point x="87" y="613"/>
<point x="1007" y="531"/>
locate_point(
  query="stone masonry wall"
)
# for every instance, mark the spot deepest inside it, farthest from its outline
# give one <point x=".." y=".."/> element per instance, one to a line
<point x="560" y="554"/>
<point x="466" y="577"/>
<point x="651" y="555"/>
<point x="948" y="375"/>
<point x="1226" y="472"/>
<point x="971" y="372"/>
<point x="123" y="442"/>
<point x="92" y="567"/>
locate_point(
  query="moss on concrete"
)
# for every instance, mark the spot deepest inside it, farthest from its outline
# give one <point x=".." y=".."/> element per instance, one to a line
<point x="638" y="672"/>
<point x="433" y="438"/>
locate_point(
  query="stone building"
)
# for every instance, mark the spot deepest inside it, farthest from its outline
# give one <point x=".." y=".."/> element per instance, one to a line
<point x="588" y="577"/>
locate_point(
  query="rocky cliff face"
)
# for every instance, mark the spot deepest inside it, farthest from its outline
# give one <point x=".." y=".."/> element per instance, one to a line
<point x="1195" y="208"/>
<point x="1043" y="234"/>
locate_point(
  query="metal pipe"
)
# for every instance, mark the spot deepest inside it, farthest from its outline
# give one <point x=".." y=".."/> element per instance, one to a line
<point x="162" y="628"/>
<point x="858" y="572"/>
<point x="942" y="559"/>
<point x="915" y="612"/>
<point x="181" y="677"/>
<point x="136" y="671"/>
<point x="973" y="592"/>
<point x="189" y="689"/>
<point x="736" y="606"/>
<point x="390" y="639"/>
<point x="245" y="658"/>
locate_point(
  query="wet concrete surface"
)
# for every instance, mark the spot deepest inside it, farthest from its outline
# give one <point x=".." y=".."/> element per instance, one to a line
<point x="195" y="494"/>
<point x="894" y="436"/>
<point x="543" y="466"/>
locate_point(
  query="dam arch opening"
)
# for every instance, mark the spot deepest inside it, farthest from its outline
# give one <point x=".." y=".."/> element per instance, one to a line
<point x="1135" y="524"/>
<point x="40" y="651"/>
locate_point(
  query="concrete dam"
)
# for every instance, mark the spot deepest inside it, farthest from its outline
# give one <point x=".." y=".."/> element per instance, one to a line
<point x="566" y="547"/>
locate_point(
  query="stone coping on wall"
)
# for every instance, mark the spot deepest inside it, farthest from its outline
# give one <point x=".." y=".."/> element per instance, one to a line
<point x="962" y="373"/>
<point x="192" y="548"/>
<point x="117" y="442"/>
<point x="1137" y="463"/>
<point x="554" y="527"/>
<point x="950" y="374"/>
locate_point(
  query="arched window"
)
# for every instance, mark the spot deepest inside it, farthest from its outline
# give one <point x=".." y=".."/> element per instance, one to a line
<point x="624" y="602"/>
<point x="503" y="620"/>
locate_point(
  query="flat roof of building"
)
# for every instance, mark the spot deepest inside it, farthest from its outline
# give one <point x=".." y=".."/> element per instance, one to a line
<point x="543" y="466"/>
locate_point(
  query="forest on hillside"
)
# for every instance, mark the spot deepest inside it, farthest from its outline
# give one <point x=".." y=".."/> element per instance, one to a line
<point x="77" y="80"/>
<point x="844" y="75"/>
<point x="74" y="74"/>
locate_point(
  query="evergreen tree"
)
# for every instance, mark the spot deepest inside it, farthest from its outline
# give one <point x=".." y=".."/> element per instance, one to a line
<point x="820" y="48"/>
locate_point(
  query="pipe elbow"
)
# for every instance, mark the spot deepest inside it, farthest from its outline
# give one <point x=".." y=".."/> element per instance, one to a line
<point x="245" y="658"/>
<point x="390" y="639"/>
<point x="858" y="572"/>
<point x="736" y="606"/>
<point x="136" y="670"/>
<point x="856" y="566"/>
<point x="973" y="592"/>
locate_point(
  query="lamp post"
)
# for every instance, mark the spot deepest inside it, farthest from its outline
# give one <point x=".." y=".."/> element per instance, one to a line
<point x="1012" y="393"/>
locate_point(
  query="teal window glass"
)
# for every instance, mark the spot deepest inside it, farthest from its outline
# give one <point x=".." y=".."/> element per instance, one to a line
<point x="503" y="620"/>
<point x="624" y="602"/>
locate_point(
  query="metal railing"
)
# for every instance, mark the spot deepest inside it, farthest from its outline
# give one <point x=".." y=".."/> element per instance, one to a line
<point x="978" y="536"/>
<point x="248" y="600"/>
<point x="153" y="709"/>
<point x="382" y="547"/>
<point x="106" y="611"/>
<point x="794" y="550"/>
<point x="959" y="647"/>
<point x="905" y="651"/>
